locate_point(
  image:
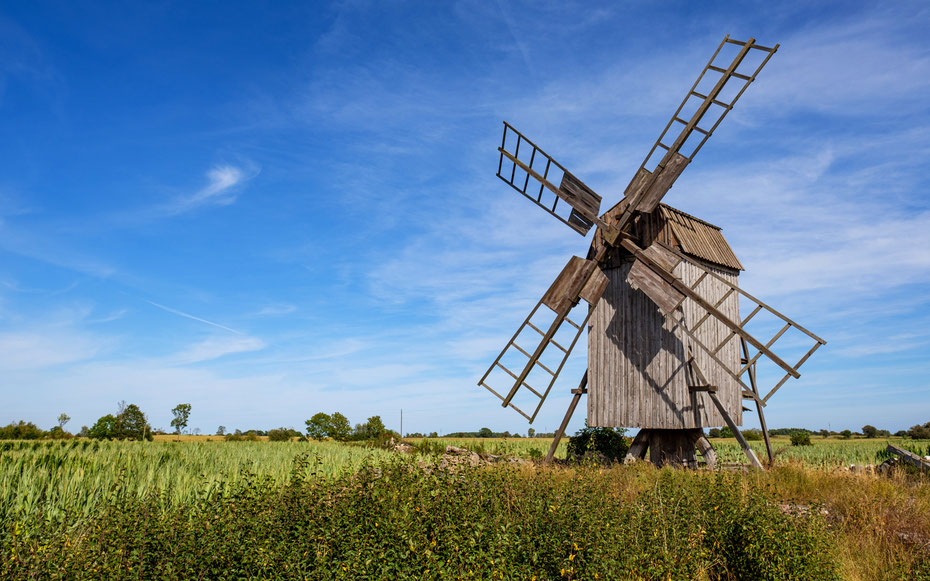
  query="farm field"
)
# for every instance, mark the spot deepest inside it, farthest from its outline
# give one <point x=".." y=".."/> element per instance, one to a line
<point x="329" y="510"/>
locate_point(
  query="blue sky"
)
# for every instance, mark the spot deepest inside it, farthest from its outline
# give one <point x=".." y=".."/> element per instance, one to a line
<point x="273" y="209"/>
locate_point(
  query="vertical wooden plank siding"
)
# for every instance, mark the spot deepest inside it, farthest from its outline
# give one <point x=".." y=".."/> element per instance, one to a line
<point x="637" y="372"/>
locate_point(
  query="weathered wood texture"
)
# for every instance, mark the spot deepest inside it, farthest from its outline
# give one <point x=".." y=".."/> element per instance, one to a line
<point x="637" y="358"/>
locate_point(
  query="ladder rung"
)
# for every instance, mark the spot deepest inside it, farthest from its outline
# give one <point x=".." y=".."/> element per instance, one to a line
<point x="696" y="128"/>
<point x="662" y="145"/>
<point x="520" y="349"/>
<point x="554" y="342"/>
<point x="529" y="387"/>
<point x="535" y="328"/>
<point x="733" y="74"/>
<point x="538" y="362"/>
<point x="572" y="323"/>
<point x="726" y="106"/>
<point x="758" y="46"/>
<point x="509" y="372"/>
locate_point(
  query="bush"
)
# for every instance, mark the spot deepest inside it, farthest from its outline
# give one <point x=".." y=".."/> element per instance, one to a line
<point x="607" y="442"/>
<point x="801" y="438"/>
<point x="846" y="434"/>
<point x="726" y="432"/>
<point x="395" y="522"/>
<point x="752" y="434"/>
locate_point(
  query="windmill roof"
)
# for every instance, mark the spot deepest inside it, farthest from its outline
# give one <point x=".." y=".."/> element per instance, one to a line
<point x="699" y="238"/>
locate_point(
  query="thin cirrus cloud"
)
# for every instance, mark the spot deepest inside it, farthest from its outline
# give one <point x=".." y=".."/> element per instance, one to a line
<point x="222" y="189"/>
<point x="216" y="347"/>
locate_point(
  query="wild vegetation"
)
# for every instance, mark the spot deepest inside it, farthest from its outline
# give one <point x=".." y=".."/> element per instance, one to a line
<point x="325" y="509"/>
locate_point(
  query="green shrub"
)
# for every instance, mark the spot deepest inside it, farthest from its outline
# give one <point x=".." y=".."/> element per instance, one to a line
<point x="752" y="434"/>
<point x="607" y="442"/>
<point x="801" y="438"/>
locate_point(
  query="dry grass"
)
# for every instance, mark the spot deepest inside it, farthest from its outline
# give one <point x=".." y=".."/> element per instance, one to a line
<point x="879" y="519"/>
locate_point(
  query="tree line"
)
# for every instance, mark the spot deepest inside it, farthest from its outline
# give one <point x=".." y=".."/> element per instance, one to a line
<point x="130" y="423"/>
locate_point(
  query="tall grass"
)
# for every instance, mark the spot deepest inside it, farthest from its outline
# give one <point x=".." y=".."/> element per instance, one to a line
<point x="42" y="479"/>
<point x="826" y="453"/>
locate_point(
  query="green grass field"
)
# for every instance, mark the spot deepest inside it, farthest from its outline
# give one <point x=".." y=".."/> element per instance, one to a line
<point x="328" y="510"/>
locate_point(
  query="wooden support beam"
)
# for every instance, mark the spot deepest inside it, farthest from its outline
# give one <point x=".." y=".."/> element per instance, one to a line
<point x="726" y="417"/>
<point x="578" y="392"/>
<point x="638" y="447"/>
<point x="909" y="457"/>
<point x="755" y="390"/>
<point x="739" y="435"/>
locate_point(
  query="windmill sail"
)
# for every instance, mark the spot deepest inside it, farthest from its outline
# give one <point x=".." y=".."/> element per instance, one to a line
<point x="516" y="168"/>
<point x="683" y="138"/>
<point x="580" y="279"/>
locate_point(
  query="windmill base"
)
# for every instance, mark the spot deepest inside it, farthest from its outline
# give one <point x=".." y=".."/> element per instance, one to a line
<point x="672" y="448"/>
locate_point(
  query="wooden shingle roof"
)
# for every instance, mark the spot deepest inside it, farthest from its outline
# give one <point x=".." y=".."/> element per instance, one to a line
<point x="699" y="238"/>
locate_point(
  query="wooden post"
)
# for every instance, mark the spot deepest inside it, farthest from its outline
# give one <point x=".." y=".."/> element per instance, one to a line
<point x="755" y="389"/>
<point x="707" y="451"/>
<point x="739" y="435"/>
<point x="638" y="448"/>
<point x="581" y="389"/>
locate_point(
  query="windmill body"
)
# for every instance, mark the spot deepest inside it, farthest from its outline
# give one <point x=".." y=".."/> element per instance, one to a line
<point x="669" y="350"/>
<point x="638" y="373"/>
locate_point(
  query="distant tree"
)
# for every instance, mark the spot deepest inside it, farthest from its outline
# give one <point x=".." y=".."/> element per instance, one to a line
<point x="869" y="431"/>
<point x="713" y="433"/>
<point x="83" y="432"/>
<point x="106" y="428"/>
<point x="375" y="427"/>
<point x="825" y="433"/>
<point x="884" y="434"/>
<point x="901" y="433"/>
<point x="847" y="434"/>
<point x="339" y="427"/>
<point x="485" y="433"/>
<point x="132" y="425"/>
<point x="181" y="413"/>
<point x="318" y="426"/>
<point x="530" y="433"/>
<point x="278" y="435"/>
<point x="726" y="432"/>
<point x="63" y="419"/>
<point x="433" y="435"/>
<point x="221" y="431"/>
<point x="21" y="431"/>
<point x="919" y="432"/>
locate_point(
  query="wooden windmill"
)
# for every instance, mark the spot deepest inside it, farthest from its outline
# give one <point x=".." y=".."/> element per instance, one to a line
<point x="668" y="349"/>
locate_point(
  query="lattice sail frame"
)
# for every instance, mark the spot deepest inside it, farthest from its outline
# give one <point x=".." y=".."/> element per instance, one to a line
<point x="584" y="202"/>
<point x="750" y="389"/>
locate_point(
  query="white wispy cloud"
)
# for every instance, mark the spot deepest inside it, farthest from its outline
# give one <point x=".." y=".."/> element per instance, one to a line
<point x="275" y="310"/>
<point x="222" y="189"/>
<point x="216" y="347"/>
